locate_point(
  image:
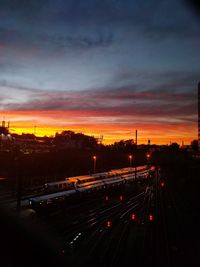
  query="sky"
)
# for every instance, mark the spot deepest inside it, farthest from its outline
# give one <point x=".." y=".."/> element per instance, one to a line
<point x="100" y="67"/>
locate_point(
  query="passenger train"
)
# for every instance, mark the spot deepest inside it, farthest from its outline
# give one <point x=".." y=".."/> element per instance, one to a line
<point x="77" y="181"/>
<point x="86" y="183"/>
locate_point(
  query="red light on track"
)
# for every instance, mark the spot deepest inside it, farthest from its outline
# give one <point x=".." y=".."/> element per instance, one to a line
<point x="121" y="197"/>
<point x="162" y="184"/>
<point x="108" y="224"/>
<point x="106" y="197"/>
<point x="150" y="217"/>
<point x="133" y="216"/>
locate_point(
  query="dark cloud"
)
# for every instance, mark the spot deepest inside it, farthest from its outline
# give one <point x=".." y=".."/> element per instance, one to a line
<point x="64" y="41"/>
<point x="158" y="80"/>
<point x="174" y="95"/>
<point x="120" y="102"/>
<point x="92" y="22"/>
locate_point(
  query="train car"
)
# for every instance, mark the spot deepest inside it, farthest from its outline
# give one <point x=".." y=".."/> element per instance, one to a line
<point x="88" y="183"/>
<point x="68" y="183"/>
<point x="49" y="198"/>
<point x="79" y="179"/>
<point x="129" y="177"/>
<point x="91" y="183"/>
<point x="119" y="172"/>
<point x="110" y="182"/>
<point x="100" y="175"/>
<point x="141" y="168"/>
<point x="56" y="186"/>
<point x="79" y="184"/>
<point x="76" y="181"/>
<point x="91" y="186"/>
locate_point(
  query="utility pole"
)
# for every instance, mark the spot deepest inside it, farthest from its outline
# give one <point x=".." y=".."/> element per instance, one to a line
<point x="136" y="137"/>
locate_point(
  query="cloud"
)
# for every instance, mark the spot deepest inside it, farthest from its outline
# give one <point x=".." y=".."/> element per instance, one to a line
<point x="120" y="102"/>
<point x="93" y="23"/>
<point x="85" y="41"/>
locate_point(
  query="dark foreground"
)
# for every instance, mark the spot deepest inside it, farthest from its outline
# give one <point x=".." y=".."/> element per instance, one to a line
<point x="151" y="223"/>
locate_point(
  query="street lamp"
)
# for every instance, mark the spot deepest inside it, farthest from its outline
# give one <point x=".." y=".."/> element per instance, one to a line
<point x="95" y="162"/>
<point x="130" y="159"/>
<point x="148" y="157"/>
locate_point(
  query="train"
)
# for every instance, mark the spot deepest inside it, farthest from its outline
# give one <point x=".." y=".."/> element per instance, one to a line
<point x="86" y="183"/>
<point x="75" y="182"/>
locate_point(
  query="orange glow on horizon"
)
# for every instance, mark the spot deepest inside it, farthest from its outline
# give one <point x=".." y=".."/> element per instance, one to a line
<point x="107" y="138"/>
<point x="47" y="123"/>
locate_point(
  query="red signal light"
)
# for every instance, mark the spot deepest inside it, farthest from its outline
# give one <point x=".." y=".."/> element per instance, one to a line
<point x="108" y="224"/>
<point x="133" y="216"/>
<point x="150" y="217"/>
<point x="121" y="197"/>
<point x="106" y="197"/>
<point x="162" y="184"/>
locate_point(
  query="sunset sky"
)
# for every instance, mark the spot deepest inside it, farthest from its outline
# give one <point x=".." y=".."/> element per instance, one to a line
<point x="100" y="67"/>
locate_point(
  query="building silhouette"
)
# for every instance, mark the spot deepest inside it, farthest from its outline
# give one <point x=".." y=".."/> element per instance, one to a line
<point x="3" y="129"/>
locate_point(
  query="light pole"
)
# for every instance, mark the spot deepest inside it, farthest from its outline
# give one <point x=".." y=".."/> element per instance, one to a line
<point x="95" y="162"/>
<point x="148" y="157"/>
<point x="130" y="160"/>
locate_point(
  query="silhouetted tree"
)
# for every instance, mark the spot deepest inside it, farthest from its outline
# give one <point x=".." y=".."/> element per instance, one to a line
<point x="124" y="145"/>
<point x="174" y="146"/>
